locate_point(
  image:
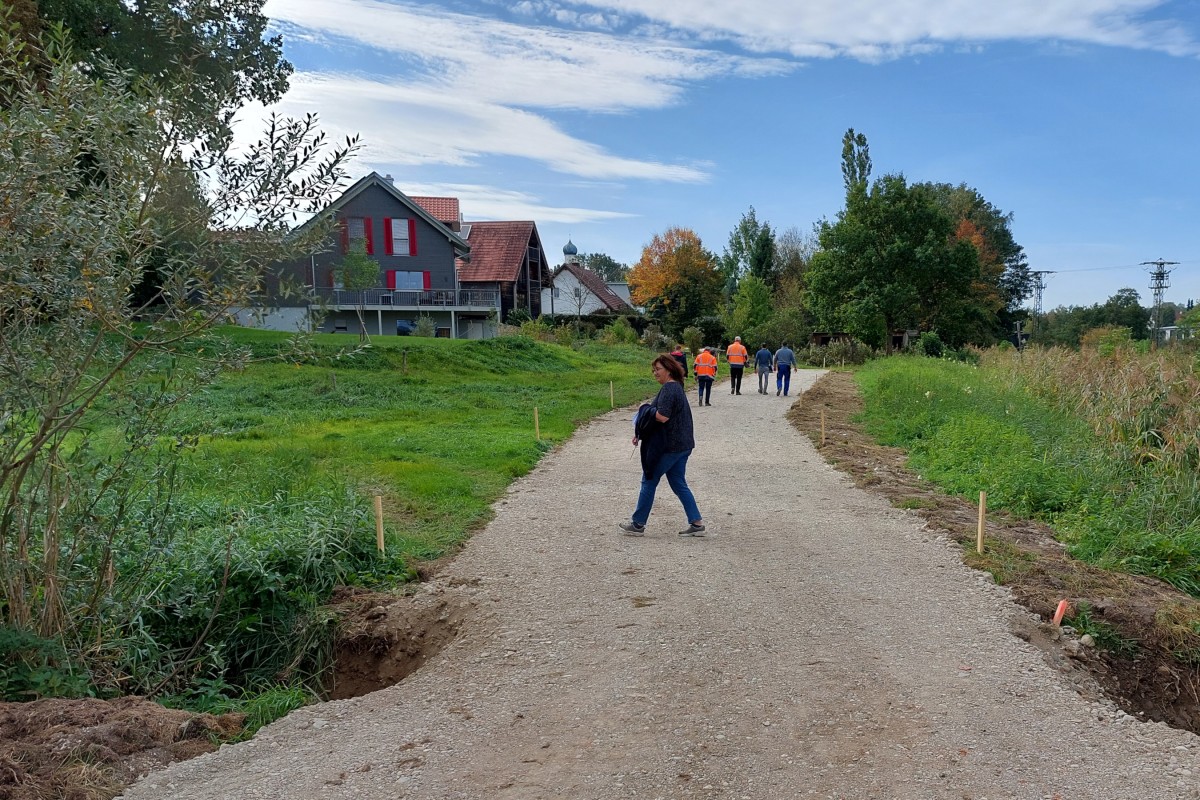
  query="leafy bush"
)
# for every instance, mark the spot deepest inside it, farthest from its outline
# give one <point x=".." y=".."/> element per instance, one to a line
<point x="539" y="330"/>
<point x="655" y="339"/>
<point x="619" y="331"/>
<point x="517" y="316"/>
<point x="425" y="327"/>
<point x="693" y="339"/>
<point x="32" y="667"/>
<point x="930" y="344"/>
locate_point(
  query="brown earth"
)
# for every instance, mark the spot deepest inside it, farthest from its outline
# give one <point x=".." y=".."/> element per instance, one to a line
<point x="1153" y="672"/>
<point x="91" y="749"/>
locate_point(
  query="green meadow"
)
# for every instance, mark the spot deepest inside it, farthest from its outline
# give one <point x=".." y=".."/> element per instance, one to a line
<point x="219" y="585"/>
<point x="1030" y="430"/>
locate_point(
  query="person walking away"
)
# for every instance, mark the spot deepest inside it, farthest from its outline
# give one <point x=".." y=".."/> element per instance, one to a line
<point x="785" y="361"/>
<point x="737" y="355"/>
<point x="665" y="448"/>
<point x="762" y="363"/>
<point x="678" y="355"/>
<point x="705" y="368"/>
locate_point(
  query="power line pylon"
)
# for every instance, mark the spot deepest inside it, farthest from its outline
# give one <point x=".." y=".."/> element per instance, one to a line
<point x="1159" y="280"/>
<point x="1038" y="286"/>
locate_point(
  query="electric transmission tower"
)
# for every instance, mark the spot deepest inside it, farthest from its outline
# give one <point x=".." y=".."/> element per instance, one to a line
<point x="1159" y="280"/>
<point x="1038" y="286"/>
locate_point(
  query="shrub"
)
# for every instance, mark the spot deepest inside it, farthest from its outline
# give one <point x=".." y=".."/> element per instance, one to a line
<point x="425" y="327"/>
<point x="619" y="331"/>
<point x="655" y="339"/>
<point x="564" y="335"/>
<point x="930" y="344"/>
<point x="693" y="338"/>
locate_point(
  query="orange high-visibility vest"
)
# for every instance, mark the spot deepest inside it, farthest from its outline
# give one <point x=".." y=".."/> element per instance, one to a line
<point x="737" y="355"/>
<point x="706" y="365"/>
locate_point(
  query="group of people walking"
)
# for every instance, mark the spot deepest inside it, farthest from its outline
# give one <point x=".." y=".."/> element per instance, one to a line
<point x="664" y="427"/>
<point x="781" y="363"/>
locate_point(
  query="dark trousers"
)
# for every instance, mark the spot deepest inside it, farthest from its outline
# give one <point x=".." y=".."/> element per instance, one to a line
<point x="784" y="379"/>
<point x="705" y="385"/>
<point x="735" y="380"/>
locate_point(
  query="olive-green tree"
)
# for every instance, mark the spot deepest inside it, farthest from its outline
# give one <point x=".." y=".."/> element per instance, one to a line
<point x="84" y="160"/>
<point x="358" y="272"/>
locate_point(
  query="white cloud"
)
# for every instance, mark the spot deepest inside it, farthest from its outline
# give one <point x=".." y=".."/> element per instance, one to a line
<point x="454" y="88"/>
<point x="403" y="125"/>
<point x="865" y="28"/>
<point x="521" y="65"/>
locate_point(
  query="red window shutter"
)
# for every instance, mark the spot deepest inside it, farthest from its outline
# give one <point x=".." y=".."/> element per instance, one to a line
<point x="367" y="233"/>
<point x="391" y="279"/>
<point x="412" y="242"/>
<point x="428" y="283"/>
<point x="345" y="236"/>
<point x="387" y="238"/>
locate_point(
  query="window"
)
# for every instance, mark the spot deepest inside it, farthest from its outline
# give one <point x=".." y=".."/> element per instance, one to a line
<point x="356" y="233"/>
<point x="400" y="236"/>
<point x="408" y="281"/>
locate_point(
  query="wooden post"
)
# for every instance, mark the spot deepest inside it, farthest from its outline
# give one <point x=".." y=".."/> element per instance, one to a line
<point x="612" y="399"/>
<point x="537" y="428"/>
<point x="379" y="523"/>
<point x="404" y="359"/>
<point x="982" y="516"/>
<point x="822" y="427"/>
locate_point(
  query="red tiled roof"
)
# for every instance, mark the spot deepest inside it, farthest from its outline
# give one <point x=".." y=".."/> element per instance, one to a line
<point x="595" y="284"/>
<point x="443" y="209"/>
<point x="497" y="250"/>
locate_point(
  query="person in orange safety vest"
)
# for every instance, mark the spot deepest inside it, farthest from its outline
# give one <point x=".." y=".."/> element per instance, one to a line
<point x="706" y="372"/>
<point x="737" y="355"/>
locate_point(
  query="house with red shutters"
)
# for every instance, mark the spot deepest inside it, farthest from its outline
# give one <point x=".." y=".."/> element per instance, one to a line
<point x="464" y="277"/>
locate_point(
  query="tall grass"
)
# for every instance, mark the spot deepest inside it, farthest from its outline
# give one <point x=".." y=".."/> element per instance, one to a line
<point x="219" y="598"/>
<point x="989" y="429"/>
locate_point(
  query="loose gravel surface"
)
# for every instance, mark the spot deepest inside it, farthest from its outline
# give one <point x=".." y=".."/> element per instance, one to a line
<point x="817" y="643"/>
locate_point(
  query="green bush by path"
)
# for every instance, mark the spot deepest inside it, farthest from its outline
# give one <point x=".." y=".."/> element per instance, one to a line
<point x="219" y="599"/>
<point x="971" y="429"/>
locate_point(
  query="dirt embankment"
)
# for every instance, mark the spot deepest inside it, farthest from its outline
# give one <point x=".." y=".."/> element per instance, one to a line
<point x="1153" y="668"/>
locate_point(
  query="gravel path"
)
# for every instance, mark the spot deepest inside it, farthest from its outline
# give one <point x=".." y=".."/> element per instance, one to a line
<point x="818" y="643"/>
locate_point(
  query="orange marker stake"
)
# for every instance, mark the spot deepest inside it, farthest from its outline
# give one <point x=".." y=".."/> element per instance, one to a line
<point x="1063" y="605"/>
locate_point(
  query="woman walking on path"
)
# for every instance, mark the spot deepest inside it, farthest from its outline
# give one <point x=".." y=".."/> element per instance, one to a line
<point x="667" y="440"/>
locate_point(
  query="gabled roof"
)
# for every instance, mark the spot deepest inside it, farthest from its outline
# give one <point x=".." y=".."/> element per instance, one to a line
<point x="461" y="248"/>
<point x="596" y="285"/>
<point x="443" y="209"/>
<point x="498" y="251"/>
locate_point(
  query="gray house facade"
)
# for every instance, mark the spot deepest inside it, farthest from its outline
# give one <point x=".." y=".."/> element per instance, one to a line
<point x="417" y="278"/>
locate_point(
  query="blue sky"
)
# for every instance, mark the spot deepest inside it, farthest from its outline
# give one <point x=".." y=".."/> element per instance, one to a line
<point x="609" y="121"/>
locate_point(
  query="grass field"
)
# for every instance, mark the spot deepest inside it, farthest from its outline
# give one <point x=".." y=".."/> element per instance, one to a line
<point x="218" y="586"/>
<point x="970" y="429"/>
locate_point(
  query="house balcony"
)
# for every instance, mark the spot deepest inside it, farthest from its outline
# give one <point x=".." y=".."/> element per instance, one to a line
<point x="403" y="300"/>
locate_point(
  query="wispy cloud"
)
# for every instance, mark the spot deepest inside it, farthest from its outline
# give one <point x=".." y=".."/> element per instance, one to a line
<point x="868" y="29"/>
<point x="530" y="66"/>
<point x="406" y="125"/>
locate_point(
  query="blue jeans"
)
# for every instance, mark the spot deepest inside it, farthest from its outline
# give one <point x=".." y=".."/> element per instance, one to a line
<point x="673" y="465"/>
<point x="784" y="379"/>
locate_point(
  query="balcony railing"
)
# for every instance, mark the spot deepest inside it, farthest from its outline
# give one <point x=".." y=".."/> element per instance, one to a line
<point x="390" y="298"/>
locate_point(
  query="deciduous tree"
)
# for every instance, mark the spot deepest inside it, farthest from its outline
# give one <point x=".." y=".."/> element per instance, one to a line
<point x="676" y="279"/>
<point x="891" y="262"/>
<point x="607" y="267"/>
<point x="751" y="251"/>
